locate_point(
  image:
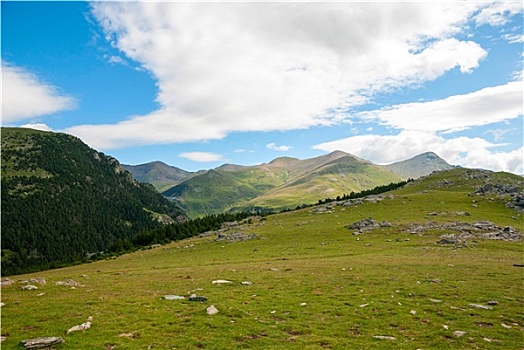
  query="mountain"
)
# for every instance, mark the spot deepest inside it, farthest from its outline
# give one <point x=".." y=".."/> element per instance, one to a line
<point x="159" y="174"/>
<point x="418" y="166"/>
<point x="63" y="201"/>
<point x="282" y="183"/>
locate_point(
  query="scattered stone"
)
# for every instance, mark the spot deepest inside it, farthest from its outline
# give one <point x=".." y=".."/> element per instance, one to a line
<point x="2" y="304"/>
<point x="173" y="297"/>
<point x="221" y="282"/>
<point x="366" y="225"/>
<point x="492" y="302"/>
<point x="384" y="337"/>
<point x="413" y="312"/>
<point x="363" y="305"/>
<point x="29" y="287"/>
<point x="132" y="335"/>
<point x="445" y="326"/>
<point x="459" y="334"/>
<point x="435" y="300"/>
<point x="234" y="237"/>
<point x="481" y="306"/>
<point x="246" y="283"/>
<point x="2" y="338"/>
<point x="195" y="297"/>
<point x="42" y="342"/>
<point x="39" y="280"/>
<point x="507" y="326"/>
<point x="68" y="283"/>
<point x="4" y="282"/>
<point x="81" y="327"/>
<point x="303" y="304"/>
<point x="212" y="310"/>
<point x="435" y="280"/>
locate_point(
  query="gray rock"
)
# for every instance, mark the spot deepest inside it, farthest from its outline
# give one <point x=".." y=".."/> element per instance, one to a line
<point x="481" y="306"/>
<point x="173" y="297"/>
<point x="42" y="342"/>
<point x="384" y="337"/>
<point x="195" y="297"/>
<point x="29" y="287"/>
<point x="212" y="310"/>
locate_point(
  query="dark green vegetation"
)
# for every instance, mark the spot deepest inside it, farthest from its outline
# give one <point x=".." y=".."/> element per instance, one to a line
<point x="281" y="184"/>
<point x="315" y="284"/>
<point x="63" y="202"/>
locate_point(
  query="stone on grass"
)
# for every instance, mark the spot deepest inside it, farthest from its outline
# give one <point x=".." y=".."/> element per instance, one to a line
<point x="195" y="297"/>
<point x="68" y="283"/>
<point x="384" y="337"/>
<point x="212" y="310"/>
<point x="29" y="287"/>
<point x="481" y="306"/>
<point x="459" y="333"/>
<point x="435" y="300"/>
<point x="246" y="283"/>
<point x="42" y="342"/>
<point x="81" y="327"/>
<point x="173" y="297"/>
<point x="221" y="282"/>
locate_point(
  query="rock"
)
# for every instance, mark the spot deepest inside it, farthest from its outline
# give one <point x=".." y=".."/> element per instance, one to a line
<point x="4" y="282"/>
<point x="246" y="283"/>
<point x="173" y="297"/>
<point x="492" y="302"/>
<point x="195" y="297"/>
<point x="29" y="287"/>
<point x="459" y="333"/>
<point x="68" y="283"/>
<point x="303" y="304"/>
<point x="364" y="225"/>
<point x="81" y="327"/>
<point x="39" y="280"/>
<point x="43" y="342"/>
<point x="413" y="312"/>
<point x="2" y="304"/>
<point x="221" y="282"/>
<point x="506" y="326"/>
<point x="481" y="306"/>
<point x="435" y="300"/>
<point x="384" y="337"/>
<point x="212" y="310"/>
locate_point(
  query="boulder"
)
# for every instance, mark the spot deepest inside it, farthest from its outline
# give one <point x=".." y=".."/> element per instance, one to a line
<point x="42" y="342"/>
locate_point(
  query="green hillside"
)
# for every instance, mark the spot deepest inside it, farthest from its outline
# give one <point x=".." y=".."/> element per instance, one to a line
<point x="283" y="183"/>
<point x="317" y="281"/>
<point x="63" y="202"/>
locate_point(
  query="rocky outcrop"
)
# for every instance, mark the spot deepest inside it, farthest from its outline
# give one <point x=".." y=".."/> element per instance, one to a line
<point x="468" y="231"/>
<point x="41" y="343"/>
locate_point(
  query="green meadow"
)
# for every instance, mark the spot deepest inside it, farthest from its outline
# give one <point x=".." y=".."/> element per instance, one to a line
<point x="315" y="285"/>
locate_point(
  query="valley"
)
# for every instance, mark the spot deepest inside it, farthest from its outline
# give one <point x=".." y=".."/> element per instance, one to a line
<point x="315" y="282"/>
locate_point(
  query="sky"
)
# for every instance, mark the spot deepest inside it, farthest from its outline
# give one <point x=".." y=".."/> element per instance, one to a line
<point x="197" y="85"/>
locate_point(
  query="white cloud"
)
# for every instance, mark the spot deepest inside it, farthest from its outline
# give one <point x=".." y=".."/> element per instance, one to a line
<point x="282" y="148"/>
<point x="497" y="13"/>
<point x="226" y="67"/>
<point x="465" y="151"/>
<point x="486" y="106"/>
<point x="25" y="96"/>
<point x="203" y="157"/>
<point x="37" y="126"/>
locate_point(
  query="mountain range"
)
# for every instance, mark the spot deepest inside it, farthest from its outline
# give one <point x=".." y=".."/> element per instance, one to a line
<point x="282" y="183"/>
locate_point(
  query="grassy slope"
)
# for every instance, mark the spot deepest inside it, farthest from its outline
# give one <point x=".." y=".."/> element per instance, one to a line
<point x="318" y="262"/>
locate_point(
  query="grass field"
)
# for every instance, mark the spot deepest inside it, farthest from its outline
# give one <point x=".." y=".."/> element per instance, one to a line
<point x="315" y="285"/>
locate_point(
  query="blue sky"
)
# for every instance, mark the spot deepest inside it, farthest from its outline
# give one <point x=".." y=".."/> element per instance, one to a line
<point x="199" y="85"/>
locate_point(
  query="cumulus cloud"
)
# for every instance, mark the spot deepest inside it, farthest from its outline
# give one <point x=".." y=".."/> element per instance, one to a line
<point x="26" y="96"/>
<point x="486" y="106"/>
<point x="282" y="148"/>
<point x="471" y="152"/>
<point x="203" y="157"/>
<point x="229" y="67"/>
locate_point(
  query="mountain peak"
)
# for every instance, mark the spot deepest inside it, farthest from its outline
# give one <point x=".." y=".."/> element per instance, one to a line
<point x="419" y="165"/>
